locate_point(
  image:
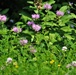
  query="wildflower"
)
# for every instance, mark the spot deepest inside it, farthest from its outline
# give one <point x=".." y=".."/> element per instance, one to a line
<point x="11" y="20"/>
<point x="59" y="13"/>
<point x="52" y="61"/>
<point x="68" y="11"/>
<point x="30" y="23"/>
<point x="36" y="27"/>
<point x="59" y="65"/>
<point x="35" y="16"/>
<point x="64" y="48"/>
<point x="73" y="63"/>
<point x="23" y="42"/>
<point x="70" y="3"/>
<point x="9" y="60"/>
<point x="68" y="65"/>
<point x="33" y="51"/>
<point x="47" y="6"/>
<point x="3" y="18"/>
<point x="15" y="64"/>
<point x="16" y="29"/>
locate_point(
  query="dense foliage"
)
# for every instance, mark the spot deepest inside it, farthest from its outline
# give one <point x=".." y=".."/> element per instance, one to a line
<point x="38" y="39"/>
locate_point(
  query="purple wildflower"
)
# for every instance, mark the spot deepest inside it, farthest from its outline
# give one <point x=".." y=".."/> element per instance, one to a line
<point x="15" y="29"/>
<point x="47" y="6"/>
<point x="36" y="27"/>
<point x="3" y="18"/>
<point x="59" y="13"/>
<point x="35" y="16"/>
<point x="23" y="42"/>
<point x="30" y="23"/>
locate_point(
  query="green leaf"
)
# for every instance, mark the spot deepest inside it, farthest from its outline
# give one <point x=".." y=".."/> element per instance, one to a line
<point x="64" y="8"/>
<point x="48" y="24"/>
<point x="66" y="18"/>
<point x="39" y="38"/>
<point x="27" y="32"/>
<point x="52" y="37"/>
<point x="25" y="18"/>
<point x="36" y="11"/>
<point x="68" y="36"/>
<point x="4" y="31"/>
<point x="66" y="29"/>
<point x="49" y="16"/>
<point x="30" y="2"/>
<point x="73" y="15"/>
<point x="4" y="11"/>
<point x="46" y="38"/>
<point x="51" y="1"/>
<point x="32" y="8"/>
<point x="19" y="23"/>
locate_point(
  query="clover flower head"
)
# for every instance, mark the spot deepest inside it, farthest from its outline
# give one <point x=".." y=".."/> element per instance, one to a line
<point x="64" y="48"/>
<point x="73" y="63"/>
<point x="30" y="23"/>
<point x="36" y="27"/>
<point x="9" y="60"/>
<point x="59" y="13"/>
<point x="23" y="42"/>
<point x="3" y="18"/>
<point x="35" y="16"/>
<point x="16" y="29"/>
<point x="47" y="6"/>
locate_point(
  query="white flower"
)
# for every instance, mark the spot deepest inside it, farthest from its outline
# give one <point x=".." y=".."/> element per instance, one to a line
<point x="73" y="63"/>
<point x="64" y="48"/>
<point x="11" y="20"/>
<point x="9" y="60"/>
<point x="68" y="65"/>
